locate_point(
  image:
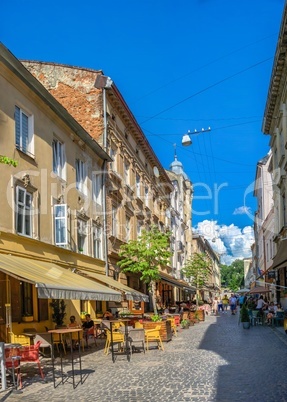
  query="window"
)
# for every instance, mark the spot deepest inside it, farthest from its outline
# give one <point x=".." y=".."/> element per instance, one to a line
<point x="97" y="241"/>
<point x="23" y="130"/>
<point x="113" y="154"/>
<point x="139" y="228"/>
<point x="82" y="236"/>
<point x="81" y="176"/>
<point x="23" y="212"/>
<point x="146" y="196"/>
<point x="97" y="188"/>
<point x="114" y="221"/>
<point x="26" y="299"/>
<point x="138" y="185"/>
<point x="60" y="224"/>
<point x="128" y="228"/>
<point x="127" y="172"/>
<point x="58" y="158"/>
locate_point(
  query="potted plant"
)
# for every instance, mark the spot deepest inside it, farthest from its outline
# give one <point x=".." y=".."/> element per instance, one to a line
<point x="156" y="318"/>
<point x="244" y="317"/>
<point x="27" y="317"/>
<point x="184" y="324"/>
<point x="59" y="312"/>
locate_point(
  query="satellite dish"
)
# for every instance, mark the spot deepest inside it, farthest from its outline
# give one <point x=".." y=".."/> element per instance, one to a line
<point x="155" y="171"/>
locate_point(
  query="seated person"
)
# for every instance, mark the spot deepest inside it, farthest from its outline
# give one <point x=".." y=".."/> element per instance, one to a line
<point x="271" y="313"/>
<point x="88" y="327"/>
<point x="108" y="315"/>
<point x="73" y="323"/>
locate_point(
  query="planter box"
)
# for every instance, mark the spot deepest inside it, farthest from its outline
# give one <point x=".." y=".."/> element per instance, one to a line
<point x="28" y="319"/>
<point x="165" y="330"/>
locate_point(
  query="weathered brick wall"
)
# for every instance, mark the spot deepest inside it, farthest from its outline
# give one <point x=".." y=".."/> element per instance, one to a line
<point x="74" y="89"/>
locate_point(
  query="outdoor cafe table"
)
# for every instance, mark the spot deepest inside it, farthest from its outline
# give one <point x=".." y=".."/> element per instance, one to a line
<point x="61" y="332"/>
<point x="127" y="350"/>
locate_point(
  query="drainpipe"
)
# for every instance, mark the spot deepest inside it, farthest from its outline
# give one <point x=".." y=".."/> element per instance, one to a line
<point x="103" y="82"/>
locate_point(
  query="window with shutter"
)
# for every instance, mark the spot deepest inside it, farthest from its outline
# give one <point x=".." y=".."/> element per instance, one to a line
<point x="81" y="176"/>
<point x="23" y="131"/>
<point x="58" y="158"/>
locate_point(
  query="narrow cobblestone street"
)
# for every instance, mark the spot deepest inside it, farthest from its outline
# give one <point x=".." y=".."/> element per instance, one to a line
<point x="212" y="361"/>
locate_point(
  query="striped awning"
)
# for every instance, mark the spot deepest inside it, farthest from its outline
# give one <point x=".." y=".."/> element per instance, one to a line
<point x="130" y="293"/>
<point x="55" y="282"/>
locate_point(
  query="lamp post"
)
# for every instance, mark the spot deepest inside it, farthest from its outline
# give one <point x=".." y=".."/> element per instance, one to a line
<point x="186" y="140"/>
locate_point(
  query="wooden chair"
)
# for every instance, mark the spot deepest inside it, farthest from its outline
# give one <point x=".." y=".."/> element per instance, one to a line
<point x="31" y="354"/>
<point x="173" y="325"/>
<point x="153" y="335"/>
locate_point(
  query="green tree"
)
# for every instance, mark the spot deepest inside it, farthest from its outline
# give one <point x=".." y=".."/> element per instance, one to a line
<point x="196" y="270"/>
<point x="8" y="161"/>
<point x="232" y="276"/>
<point x="146" y="256"/>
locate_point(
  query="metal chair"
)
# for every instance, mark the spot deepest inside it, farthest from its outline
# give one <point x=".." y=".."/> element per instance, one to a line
<point x="278" y="319"/>
<point x="256" y="318"/>
<point x="12" y="365"/>
<point x="46" y="342"/>
<point x="31" y="354"/>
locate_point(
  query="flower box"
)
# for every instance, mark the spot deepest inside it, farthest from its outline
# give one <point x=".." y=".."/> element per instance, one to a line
<point x="165" y="330"/>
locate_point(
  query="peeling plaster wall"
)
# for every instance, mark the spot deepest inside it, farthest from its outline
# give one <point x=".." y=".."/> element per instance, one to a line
<point x="74" y="88"/>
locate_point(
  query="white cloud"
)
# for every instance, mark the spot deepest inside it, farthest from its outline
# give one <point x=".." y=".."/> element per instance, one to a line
<point x="230" y="242"/>
<point x="242" y="211"/>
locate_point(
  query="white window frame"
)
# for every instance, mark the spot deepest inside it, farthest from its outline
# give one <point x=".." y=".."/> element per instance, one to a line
<point x="59" y="159"/>
<point x="97" y="242"/>
<point x="127" y="172"/>
<point x="24" y="128"/>
<point x="60" y="224"/>
<point x="81" y="176"/>
<point x="98" y="188"/>
<point x="138" y="185"/>
<point x="146" y="196"/>
<point x="128" y="228"/>
<point x="24" y="212"/>
<point x="82" y="235"/>
<point x="113" y="155"/>
<point x="139" y="228"/>
<point x="114" y="221"/>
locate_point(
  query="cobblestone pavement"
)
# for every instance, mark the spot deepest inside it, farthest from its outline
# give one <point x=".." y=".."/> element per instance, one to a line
<point x="216" y="360"/>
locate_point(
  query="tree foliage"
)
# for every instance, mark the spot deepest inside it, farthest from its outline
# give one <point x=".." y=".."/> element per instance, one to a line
<point x="232" y="276"/>
<point x="146" y="256"/>
<point x="196" y="270"/>
<point x="8" y="161"/>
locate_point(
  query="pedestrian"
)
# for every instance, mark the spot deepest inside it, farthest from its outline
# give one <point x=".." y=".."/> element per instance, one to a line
<point x="220" y="305"/>
<point x="215" y="306"/>
<point x="225" y="302"/>
<point x="232" y="303"/>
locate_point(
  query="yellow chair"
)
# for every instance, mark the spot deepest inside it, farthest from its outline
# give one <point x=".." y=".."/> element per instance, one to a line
<point x="58" y="340"/>
<point x="138" y="325"/>
<point x="173" y="325"/>
<point x="118" y="325"/>
<point x="118" y="337"/>
<point x="75" y="339"/>
<point x="21" y="339"/>
<point x="153" y="335"/>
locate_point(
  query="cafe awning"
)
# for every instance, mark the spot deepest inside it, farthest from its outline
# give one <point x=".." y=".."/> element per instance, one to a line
<point x="55" y="282"/>
<point x="130" y="293"/>
<point x="176" y="282"/>
<point x="280" y="259"/>
<point x="258" y="290"/>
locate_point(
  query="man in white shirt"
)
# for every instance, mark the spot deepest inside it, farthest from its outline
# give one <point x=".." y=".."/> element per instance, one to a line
<point x="232" y="303"/>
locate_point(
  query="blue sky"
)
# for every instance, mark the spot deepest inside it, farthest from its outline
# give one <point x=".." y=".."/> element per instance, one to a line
<point x="183" y="65"/>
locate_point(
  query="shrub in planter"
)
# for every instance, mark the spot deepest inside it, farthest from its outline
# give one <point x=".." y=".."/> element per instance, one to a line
<point x="185" y="324"/>
<point x="244" y="317"/>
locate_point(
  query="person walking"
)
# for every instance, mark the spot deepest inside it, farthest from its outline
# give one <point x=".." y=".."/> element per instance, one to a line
<point x="220" y="305"/>
<point x="232" y="303"/>
<point x="225" y="302"/>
